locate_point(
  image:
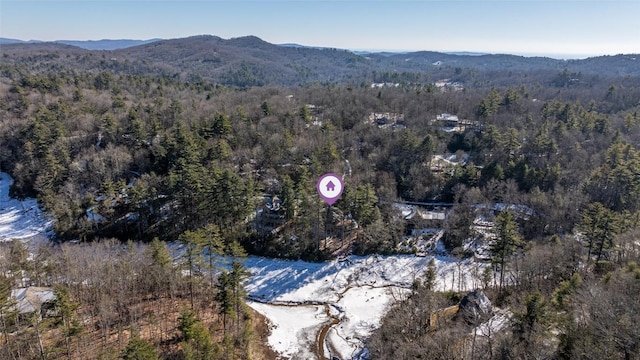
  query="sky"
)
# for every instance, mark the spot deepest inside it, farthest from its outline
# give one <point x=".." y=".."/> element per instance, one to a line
<point x="560" y="28"/>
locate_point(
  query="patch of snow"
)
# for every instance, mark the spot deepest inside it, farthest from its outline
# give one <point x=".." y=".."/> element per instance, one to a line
<point x="19" y="219"/>
<point x="293" y="329"/>
<point x="362" y="311"/>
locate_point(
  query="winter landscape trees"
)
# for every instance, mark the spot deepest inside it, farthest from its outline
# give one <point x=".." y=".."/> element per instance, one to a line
<point x="538" y="175"/>
<point x="124" y="300"/>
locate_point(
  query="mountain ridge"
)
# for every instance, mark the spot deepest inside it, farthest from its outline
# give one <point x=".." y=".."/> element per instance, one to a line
<point x="102" y="44"/>
<point x="116" y="44"/>
<point x="251" y="61"/>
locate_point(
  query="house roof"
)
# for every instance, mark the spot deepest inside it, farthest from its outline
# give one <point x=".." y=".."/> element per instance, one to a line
<point x="30" y="299"/>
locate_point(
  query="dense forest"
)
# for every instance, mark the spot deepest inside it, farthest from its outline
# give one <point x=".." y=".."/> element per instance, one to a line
<point x="132" y="155"/>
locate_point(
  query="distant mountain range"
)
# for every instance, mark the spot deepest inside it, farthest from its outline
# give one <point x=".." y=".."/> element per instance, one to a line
<point x="109" y="44"/>
<point x="251" y="61"/>
<point x="105" y="44"/>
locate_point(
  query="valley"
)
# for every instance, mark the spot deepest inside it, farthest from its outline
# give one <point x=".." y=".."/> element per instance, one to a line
<point x="160" y="201"/>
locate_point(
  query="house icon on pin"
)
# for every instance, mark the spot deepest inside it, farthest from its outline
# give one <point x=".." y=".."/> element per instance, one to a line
<point x="331" y="186"/>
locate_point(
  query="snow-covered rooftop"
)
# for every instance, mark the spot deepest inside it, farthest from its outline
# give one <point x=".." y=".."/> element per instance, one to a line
<point x="30" y="299"/>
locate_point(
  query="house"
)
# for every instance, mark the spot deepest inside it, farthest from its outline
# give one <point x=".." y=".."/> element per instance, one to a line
<point x="474" y="307"/>
<point x="447" y="117"/>
<point x="442" y="316"/>
<point x="442" y="83"/>
<point x="34" y="300"/>
<point x="446" y="164"/>
<point x="452" y="123"/>
<point x="271" y="216"/>
<point x="384" y="84"/>
<point x="448" y="123"/>
<point x="387" y="120"/>
<point x="448" y="85"/>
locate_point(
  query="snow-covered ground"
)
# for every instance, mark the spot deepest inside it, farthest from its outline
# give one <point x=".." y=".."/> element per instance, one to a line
<point x="19" y="219"/>
<point x="360" y="312"/>
<point x="293" y="329"/>
<point x="357" y="292"/>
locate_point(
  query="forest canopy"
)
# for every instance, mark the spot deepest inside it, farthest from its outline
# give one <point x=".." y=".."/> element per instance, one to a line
<point x="139" y="156"/>
<point x="224" y="155"/>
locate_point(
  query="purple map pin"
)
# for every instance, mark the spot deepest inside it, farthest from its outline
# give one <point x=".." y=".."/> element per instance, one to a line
<point x="330" y="188"/>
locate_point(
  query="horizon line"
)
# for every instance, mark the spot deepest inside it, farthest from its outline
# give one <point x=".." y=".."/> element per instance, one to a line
<point x="552" y="55"/>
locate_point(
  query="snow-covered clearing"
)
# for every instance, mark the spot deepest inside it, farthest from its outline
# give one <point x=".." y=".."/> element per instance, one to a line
<point x="357" y="292"/>
<point x="293" y="329"/>
<point x="19" y="219"/>
<point x="360" y="312"/>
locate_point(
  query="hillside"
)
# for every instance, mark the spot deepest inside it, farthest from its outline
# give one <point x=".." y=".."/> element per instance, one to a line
<point x="250" y="61"/>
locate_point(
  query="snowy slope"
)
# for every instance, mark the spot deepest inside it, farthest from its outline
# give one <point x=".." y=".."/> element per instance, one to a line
<point x="356" y="292"/>
<point x="19" y="219"/>
<point x="293" y="329"/>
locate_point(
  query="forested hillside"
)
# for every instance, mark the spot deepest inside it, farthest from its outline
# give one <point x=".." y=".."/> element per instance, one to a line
<point x="249" y="61"/>
<point x="126" y="301"/>
<point x="123" y="145"/>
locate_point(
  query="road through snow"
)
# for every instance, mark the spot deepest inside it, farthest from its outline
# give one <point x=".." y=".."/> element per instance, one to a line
<point x="358" y="292"/>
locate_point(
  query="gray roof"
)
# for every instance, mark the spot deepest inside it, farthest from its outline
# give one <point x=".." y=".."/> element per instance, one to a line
<point x="30" y="299"/>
